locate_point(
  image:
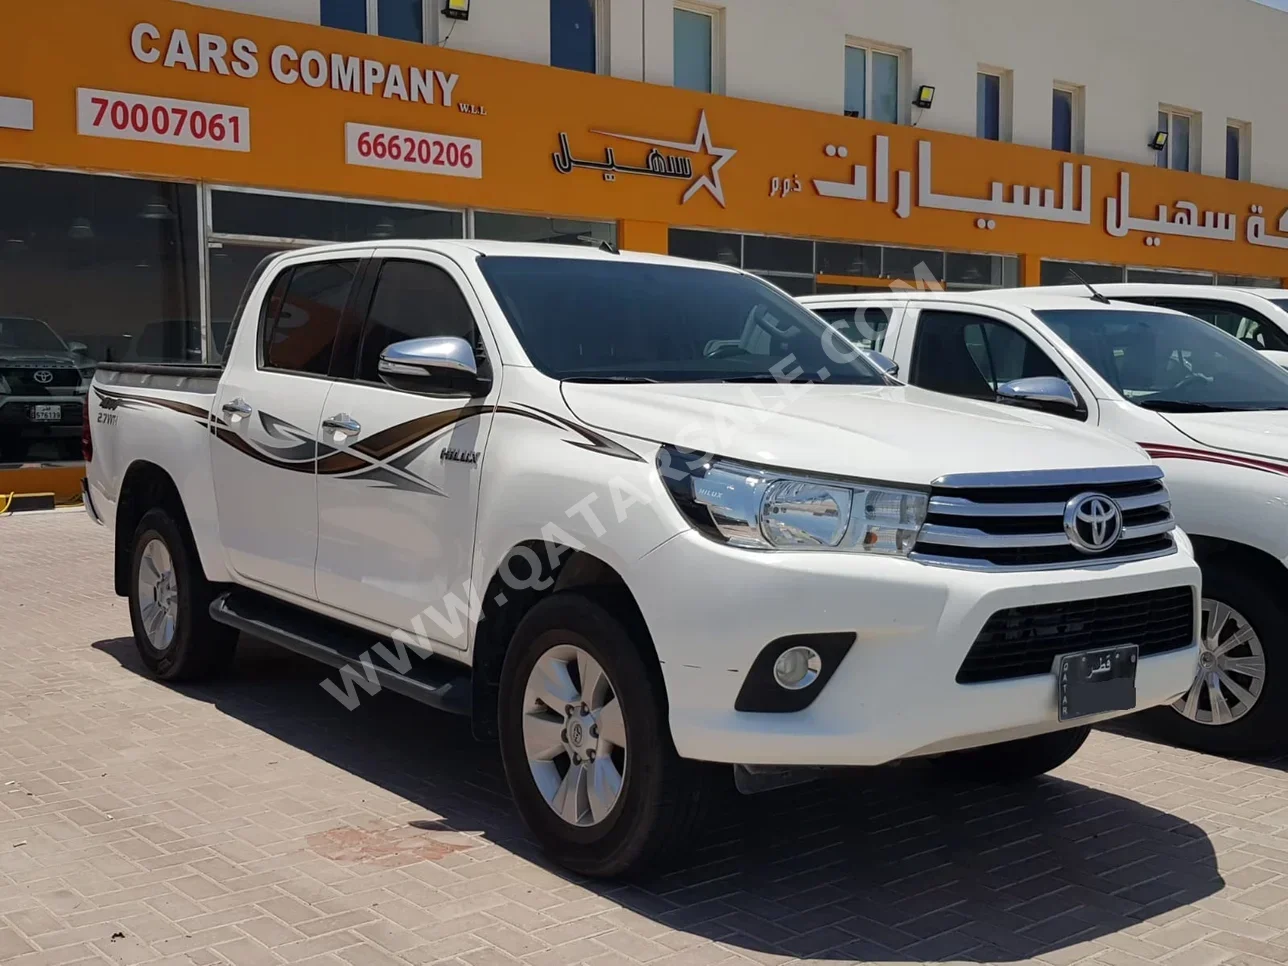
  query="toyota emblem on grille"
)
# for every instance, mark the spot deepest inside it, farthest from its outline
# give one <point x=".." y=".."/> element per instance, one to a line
<point x="43" y="376"/>
<point x="1093" y="522"/>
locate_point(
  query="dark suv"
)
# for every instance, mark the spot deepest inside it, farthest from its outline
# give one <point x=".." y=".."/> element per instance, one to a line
<point x="43" y="381"/>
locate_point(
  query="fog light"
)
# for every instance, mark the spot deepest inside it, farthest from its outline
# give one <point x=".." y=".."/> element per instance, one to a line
<point x="797" y="668"/>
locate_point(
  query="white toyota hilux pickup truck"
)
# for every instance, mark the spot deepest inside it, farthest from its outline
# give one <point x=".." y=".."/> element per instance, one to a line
<point x="1209" y="409"/>
<point x="638" y="517"/>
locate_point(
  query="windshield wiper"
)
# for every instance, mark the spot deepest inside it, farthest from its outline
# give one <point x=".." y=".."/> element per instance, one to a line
<point x="1178" y="406"/>
<point x="618" y="379"/>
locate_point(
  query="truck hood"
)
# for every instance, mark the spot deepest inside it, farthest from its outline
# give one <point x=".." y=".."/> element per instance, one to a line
<point x="1256" y="433"/>
<point x="895" y="433"/>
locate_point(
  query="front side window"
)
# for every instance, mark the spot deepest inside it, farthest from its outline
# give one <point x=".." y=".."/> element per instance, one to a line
<point x="1169" y="362"/>
<point x="412" y="300"/>
<point x="618" y="321"/>
<point x="694" y="49"/>
<point x="299" y="335"/>
<point x="971" y="355"/>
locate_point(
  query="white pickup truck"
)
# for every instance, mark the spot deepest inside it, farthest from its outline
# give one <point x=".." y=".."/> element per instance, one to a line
<point x="637" y="516"/>
<point x="1207" y="407"/>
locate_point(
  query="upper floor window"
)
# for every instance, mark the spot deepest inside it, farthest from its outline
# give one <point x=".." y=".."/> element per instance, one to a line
<point x="993" y="104"/>
<point x="1238" y="150"/>
<point x="1181" y="128"/>
<point x="1067" y="118"/>
<point x="698" y="54"/>
<point x="872" y="82"/>
<point x="578" y="39"/>
<point x="400" y="19"/>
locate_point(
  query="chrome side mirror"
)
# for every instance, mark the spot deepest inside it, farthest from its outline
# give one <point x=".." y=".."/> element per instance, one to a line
<point x="442" y="364"/>
<point x="1042" y="392"/>
<point x="884" y="364"/>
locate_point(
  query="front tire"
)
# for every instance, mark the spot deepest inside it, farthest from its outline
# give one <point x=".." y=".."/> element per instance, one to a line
<point x="170" y="604"/>
<point x="584" y="740"/>
<point x="1237" y="704"/>
<point x="1014" y="761"/>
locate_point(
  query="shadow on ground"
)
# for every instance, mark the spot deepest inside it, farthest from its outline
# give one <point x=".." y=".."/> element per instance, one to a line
<point x="879" y="865"/>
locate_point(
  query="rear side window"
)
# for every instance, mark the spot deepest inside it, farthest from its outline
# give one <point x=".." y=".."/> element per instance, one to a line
<point x="302" y="316"/>
<point x="412" y="300"/>
<point x="865" y="326"/>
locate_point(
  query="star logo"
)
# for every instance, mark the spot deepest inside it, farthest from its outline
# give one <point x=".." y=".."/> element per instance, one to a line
<point x="701" y="144"/>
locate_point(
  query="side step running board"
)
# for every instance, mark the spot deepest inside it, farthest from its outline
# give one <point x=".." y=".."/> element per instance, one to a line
<point x="435" y="681"/>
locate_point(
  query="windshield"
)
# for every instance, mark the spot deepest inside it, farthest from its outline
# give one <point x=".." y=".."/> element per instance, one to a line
<point x="31" y="334"/>
<point x="1171" y="363"/>
<point x="620" y="321"/>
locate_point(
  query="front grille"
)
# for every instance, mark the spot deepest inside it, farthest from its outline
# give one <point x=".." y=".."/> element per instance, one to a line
<point x="1016" y="521"/>
<point x="1025" y="641"/>
<point x="23" y="382"/>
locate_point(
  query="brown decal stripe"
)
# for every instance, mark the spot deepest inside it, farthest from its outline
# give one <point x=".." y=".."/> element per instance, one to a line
<point x="112" y="400"/>
<point x="395" y="439"/>
<point x="594" y="442"/>
<point x="242" y="446"/>
<point x="336" y="463"/>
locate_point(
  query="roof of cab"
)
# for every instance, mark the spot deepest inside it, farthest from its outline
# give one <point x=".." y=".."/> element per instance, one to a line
<point x="465" y="248"/>
<point x="1033" y="299"/>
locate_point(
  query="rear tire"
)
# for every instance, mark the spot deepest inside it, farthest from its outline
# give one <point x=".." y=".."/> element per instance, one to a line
<point x="1014" y="761"/>
<point x="1240" y="602"/>
<point x="170" y="604"/>
<point x="595" y="825"/>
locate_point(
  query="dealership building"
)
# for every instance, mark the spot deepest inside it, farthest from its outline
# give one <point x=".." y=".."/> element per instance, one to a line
<point x="153" y="151"/>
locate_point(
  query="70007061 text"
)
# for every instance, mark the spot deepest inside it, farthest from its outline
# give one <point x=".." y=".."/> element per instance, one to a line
<point x="165" y="120"/>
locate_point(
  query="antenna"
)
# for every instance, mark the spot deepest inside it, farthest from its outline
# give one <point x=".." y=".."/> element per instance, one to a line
<point x="1095" y="296"/>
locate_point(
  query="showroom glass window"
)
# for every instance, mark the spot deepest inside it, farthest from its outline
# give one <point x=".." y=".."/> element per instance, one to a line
<point x="110" y="263"/>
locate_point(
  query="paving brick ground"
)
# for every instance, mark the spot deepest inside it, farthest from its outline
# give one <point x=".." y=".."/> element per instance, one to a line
<point x="256" y="821"/>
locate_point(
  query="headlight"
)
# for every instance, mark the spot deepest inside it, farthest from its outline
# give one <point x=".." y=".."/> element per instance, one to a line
<point x="765" y="509"/>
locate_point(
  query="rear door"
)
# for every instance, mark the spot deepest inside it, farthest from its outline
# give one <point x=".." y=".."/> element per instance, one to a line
<point x="398" y="501"/>
<point x="267" y="415"/>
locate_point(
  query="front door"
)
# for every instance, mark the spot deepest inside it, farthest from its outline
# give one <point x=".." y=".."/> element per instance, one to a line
<point x="268" y="411"/>
<point x="397" y="508"/>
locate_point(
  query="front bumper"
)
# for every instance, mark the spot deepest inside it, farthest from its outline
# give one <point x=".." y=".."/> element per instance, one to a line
<point x="894" y="695"/>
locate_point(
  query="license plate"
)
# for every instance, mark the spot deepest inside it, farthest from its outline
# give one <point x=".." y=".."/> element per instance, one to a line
<point x="46" y="414"/>
<point x="1093" y="682"/>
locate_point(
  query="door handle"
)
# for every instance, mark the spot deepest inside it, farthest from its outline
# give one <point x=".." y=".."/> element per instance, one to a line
<point x="238" y="408"/>
<point x="342" y="424"/>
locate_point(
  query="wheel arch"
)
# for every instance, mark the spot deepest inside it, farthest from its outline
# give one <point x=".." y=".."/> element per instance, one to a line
<point x="1210" y="551"/>
<point x="515" y="588"/>
<point x="144" y="486"/>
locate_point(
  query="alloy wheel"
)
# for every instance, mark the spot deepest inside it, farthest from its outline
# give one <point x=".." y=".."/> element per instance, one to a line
<point x="1231" y="670"/>
<point x="158" y="594"/>
<point x="574" y="736"/>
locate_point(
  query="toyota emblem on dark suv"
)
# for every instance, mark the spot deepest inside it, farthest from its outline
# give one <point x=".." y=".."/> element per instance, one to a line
<point x="43" y="376"/>
<point x="1093" y="522"/>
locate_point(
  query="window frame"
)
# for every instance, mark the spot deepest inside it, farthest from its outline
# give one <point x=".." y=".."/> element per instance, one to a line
<point x="358" y="313"/>
<point x="360" y="257"/>
<point x="1244" y="129"/>
<point x="1071" y="370"/>
<point x="1194" y="161"/>
<point x="870" y="47"/>
<point x="716" y="16"/>
<point x="1078" y="116"/>
<point x="1005" y="101"/>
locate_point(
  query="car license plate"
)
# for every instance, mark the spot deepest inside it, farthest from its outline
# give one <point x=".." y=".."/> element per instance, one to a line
<point x="1093" y="682"/>
<point x="46" y="414"/>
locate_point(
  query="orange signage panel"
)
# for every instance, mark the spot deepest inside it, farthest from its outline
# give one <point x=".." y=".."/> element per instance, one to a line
<point x="166" y="89"/>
